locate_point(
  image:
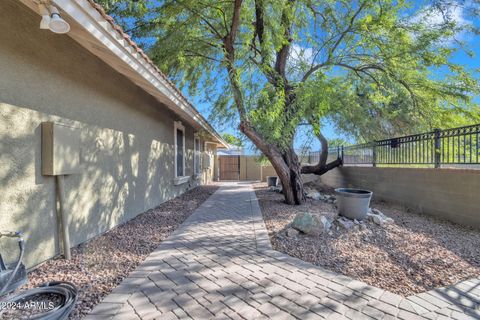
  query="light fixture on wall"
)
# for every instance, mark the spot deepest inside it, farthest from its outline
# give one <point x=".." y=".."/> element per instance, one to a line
<point x="52" y="20"/>
<point x="57" y="24"/>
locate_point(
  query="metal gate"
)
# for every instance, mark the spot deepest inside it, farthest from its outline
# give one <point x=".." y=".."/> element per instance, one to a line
<point x="229" y="167"/>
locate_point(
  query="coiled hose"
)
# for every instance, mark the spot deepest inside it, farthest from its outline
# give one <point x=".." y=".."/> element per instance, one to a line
<point x="66" y="290"/>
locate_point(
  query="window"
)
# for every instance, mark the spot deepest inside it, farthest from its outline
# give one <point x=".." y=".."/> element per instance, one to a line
<point x="179" y="149"/>
<point x="197" y="156"/>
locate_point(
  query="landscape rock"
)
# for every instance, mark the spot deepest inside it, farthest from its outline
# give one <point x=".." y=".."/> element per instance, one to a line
<point x="292" y="233"/>
<point x="309" y="223"/>
<point x="378" y="217"/>
<point x="388" y="220"/>
<point x="326" y="224"/>
<point x="313" y="194"/>
<point x="345" y="223"/>
<point x="276" y="188"/>
<point x="330" y="198"/>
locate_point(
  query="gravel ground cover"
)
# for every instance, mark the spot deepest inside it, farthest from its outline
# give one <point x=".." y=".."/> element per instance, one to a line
<point x="416" y="253"/>
<point x="100" y="264"/>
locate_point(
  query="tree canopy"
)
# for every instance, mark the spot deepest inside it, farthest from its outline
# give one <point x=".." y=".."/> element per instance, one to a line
<point x="374" y="68"/>
<point x="232" y="139"/>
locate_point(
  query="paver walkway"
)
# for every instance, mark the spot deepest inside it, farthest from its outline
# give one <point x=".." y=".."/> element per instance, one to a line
<point x="219" y="265"/>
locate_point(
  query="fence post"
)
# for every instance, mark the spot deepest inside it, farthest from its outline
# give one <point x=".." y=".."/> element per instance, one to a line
<point x="437" y="146"/>
<point x="374" y="155"/>
<point x="341" y="155"/>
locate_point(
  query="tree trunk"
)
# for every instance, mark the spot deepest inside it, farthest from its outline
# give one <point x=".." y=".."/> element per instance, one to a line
<point x="295" y="183"/>
<point x="288" y="172"/>
<point x="287" y="165"/>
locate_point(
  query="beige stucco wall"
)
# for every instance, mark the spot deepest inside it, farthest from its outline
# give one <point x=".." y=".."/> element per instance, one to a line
<point x="126" y="138"/>
<point x="267" y="171"/>
<point x="252" y="170"/>
<point x="249" y="168"/>
<point x="452" y="194"/>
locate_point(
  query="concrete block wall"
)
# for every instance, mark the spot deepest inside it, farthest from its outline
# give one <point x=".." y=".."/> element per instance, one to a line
<point x="451" y="194"/>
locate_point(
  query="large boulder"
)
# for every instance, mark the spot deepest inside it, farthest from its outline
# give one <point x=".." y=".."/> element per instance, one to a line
<point x="312" y="224"/>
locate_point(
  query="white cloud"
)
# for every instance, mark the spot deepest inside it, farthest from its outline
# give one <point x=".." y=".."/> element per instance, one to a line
<point x="299" y="59"/>
<point x="435" y="17"/>
<point x="299" y="54"/>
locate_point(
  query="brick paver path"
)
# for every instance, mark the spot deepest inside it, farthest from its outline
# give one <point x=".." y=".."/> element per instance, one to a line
<point x="219" y="265"/>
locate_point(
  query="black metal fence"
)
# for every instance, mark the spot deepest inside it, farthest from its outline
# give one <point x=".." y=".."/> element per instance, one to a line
<point x="457" y="146"/>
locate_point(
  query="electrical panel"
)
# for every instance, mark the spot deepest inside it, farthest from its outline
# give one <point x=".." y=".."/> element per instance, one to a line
<point x="60" y="149"/>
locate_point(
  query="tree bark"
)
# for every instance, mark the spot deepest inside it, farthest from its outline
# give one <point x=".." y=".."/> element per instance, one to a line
<point x="295" y="185"/>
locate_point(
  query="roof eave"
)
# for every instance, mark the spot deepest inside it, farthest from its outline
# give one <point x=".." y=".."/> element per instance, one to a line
<point x="132" y="61"/>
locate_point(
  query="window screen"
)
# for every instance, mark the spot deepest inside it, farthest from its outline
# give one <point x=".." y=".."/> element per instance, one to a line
<point x="197" y="156"/>
<point x="180" y="155"/>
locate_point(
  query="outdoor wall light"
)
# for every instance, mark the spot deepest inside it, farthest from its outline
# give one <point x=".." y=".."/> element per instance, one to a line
<point x="57" y="24"/>
<point x="52" y="20"/>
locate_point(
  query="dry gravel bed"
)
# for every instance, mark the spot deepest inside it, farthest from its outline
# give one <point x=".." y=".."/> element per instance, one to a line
<point x="415" y="254"/>
<point x="100" y="264"/>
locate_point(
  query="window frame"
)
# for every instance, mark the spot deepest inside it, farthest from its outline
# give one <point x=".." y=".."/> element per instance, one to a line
<point x="179" y="126"/>
<point x="197" y="152"/>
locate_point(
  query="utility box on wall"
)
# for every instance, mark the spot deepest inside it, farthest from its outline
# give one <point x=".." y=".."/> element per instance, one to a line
<point x="60" y="149"/>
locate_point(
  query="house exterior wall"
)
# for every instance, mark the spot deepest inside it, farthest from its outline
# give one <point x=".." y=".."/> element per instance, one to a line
<point x="127" y="138"/>
<point x="451" y="194"/>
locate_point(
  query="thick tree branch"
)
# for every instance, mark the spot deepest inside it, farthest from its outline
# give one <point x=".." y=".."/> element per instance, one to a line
<point x="322" y="166"/>
<point x="228" y="45"/>
<point x="259" y="23"/>
<point x="322" y="170"/>
<point x="282" y="54"/>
